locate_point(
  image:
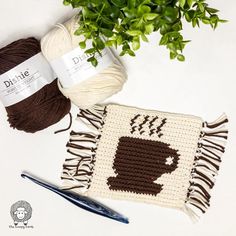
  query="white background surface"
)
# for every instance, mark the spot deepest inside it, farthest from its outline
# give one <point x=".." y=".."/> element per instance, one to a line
<point x="204" y="85"/>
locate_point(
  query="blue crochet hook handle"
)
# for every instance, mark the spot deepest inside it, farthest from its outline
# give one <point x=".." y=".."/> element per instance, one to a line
<point x="80" y="201"/>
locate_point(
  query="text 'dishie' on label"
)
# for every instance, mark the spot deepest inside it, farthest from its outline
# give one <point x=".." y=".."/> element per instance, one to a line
<point x="73" y="67"/>
<point x="25" y="79"/>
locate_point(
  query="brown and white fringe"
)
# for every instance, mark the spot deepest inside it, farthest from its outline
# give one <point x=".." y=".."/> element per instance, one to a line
<point x="211" y="146"/>
<point x="77" y="171"/>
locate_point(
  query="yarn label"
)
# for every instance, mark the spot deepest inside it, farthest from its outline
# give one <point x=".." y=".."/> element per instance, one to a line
<point x="25" y="79"/>
<point x="73" y="67"/>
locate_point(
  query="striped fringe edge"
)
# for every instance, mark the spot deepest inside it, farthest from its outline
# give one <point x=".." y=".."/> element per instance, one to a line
<point x="211" y="147"/>
<point x="78" y="170"/>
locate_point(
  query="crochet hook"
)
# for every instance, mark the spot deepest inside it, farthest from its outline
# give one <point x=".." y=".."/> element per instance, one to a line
<point x="80" y="201"/>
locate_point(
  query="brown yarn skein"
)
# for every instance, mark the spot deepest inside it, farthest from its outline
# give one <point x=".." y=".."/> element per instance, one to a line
<point x="42" y="109"/>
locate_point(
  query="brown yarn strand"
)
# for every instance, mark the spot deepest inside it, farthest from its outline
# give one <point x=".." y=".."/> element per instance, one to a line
<point x="42" y="109"/>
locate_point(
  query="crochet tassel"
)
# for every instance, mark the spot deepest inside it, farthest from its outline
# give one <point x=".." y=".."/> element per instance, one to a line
<point x="77" y="172"/>
<point x="211" y="146"/>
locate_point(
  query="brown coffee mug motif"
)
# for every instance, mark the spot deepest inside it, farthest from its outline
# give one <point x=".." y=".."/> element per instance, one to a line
<point x="139" y="162"/>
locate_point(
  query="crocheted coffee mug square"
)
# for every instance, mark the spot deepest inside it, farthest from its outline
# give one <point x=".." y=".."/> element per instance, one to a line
<point x="150" y="156"/>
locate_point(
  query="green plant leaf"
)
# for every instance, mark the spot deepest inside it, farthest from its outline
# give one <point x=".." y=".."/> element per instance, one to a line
<point x="134" y="32"/>
<point x="82" y="45"/>
<point x="212" y="10"/>
<point x="201" y="7"/>
<point x="190" y="2"/>
<point x="136" y="43"/>
<point x="119" y="3"/>
<point x="206" y="21"/>
<point x="90" y="51"/>
<point x="108" y="33"/>
<point x="165" y="28"/>
<point x="93" y="60"/>
<point x="173" y="55"/>
<point x="149" y="28"/>
<point x="195" y="22"/>
<point x="89" y="14"/>
<point x="144" y="38"/>
<point x="114" y="12"/>
<point x="223" y="21"/>
<point x="122" y="53"/>
<point x="189" y="15"/>
<point x="66" y="2"/>
<point x="131" y="3"/>
<point x="170" y="14"/>
<point x="182" y="3"/>
<point x="111" y="43"/>
<point x="142" y="9"/>
<point x="164" y="40"/>
<point x="150" y="16"/>
<point x="99" y="43"/>
<point x="131" y="53"/>
<point x="181" y="57"/>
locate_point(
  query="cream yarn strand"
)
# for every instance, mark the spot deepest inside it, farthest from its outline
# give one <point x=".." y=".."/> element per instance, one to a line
<point x="93" y="90"/>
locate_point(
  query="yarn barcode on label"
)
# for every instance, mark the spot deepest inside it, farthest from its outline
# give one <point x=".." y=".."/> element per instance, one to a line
<point x="73" y="67"/>
<point x="25" y="79"/>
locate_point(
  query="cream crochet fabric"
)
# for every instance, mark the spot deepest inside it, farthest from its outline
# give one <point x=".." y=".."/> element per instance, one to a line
<point x="150" y="156"/>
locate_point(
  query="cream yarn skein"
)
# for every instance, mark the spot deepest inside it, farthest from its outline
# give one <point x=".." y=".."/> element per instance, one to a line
<point x="93" y="90"/>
